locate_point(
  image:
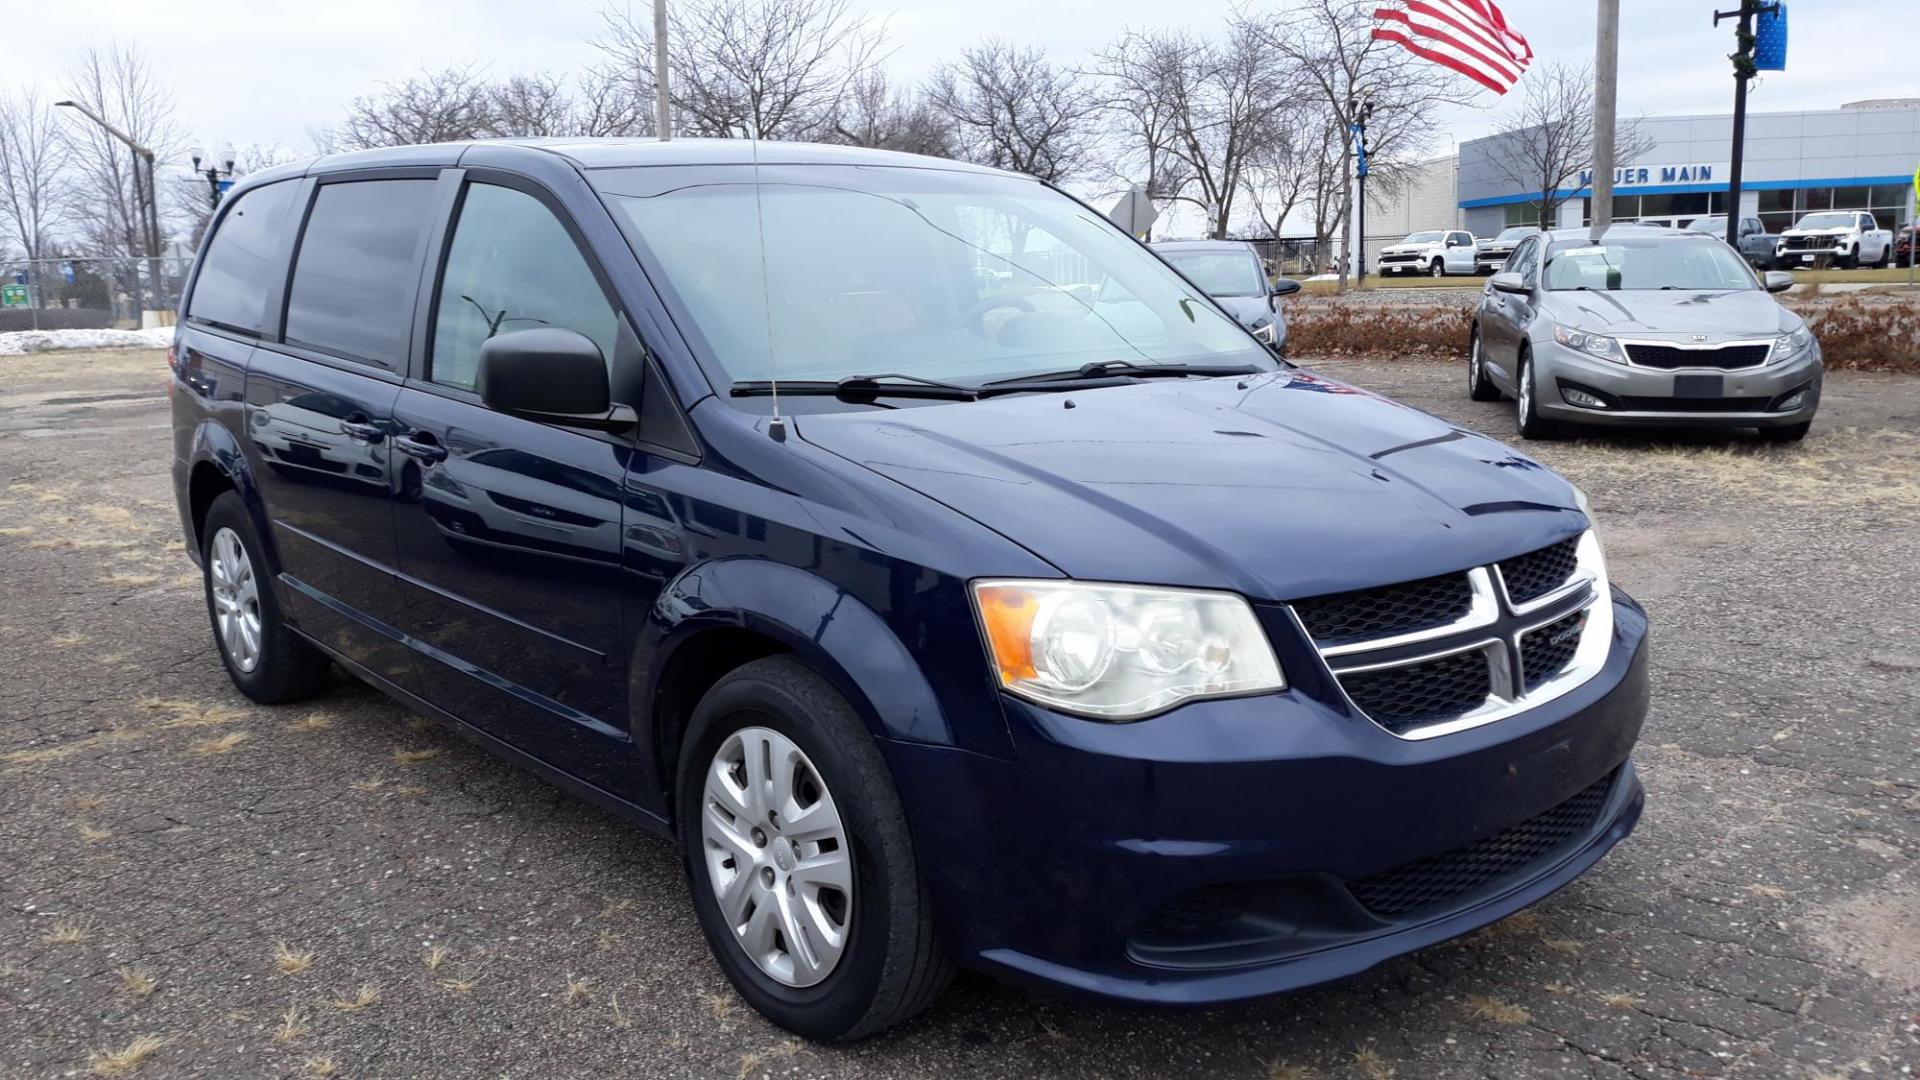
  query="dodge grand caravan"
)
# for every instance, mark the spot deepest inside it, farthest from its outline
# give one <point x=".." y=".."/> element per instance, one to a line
<point x="953" y="580"/>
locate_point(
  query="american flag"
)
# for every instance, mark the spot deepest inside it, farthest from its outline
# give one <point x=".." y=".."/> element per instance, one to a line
<point x="1469" y="36"/>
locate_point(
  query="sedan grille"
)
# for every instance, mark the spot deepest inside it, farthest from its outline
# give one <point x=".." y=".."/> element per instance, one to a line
<point x="1400" y="698"/>
<point x="1537" y="573"/>
<point x="1727" y="358"/>
<point x="1385" y="612"/>
<point x="1440" y="879"/>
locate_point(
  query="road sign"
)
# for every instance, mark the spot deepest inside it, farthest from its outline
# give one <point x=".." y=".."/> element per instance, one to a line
<point x="1134" y="212"/>
<point x="13" y="296"/>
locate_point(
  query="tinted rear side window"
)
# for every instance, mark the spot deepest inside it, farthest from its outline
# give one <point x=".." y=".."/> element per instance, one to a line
<point x="231" y="290"/>
<point x="358" y="268"/>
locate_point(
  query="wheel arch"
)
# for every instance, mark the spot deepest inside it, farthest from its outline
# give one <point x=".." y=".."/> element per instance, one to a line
<point x="217" y="464"/>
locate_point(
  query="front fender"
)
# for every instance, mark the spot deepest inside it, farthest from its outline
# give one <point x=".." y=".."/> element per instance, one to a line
<point x="822" y="623"/>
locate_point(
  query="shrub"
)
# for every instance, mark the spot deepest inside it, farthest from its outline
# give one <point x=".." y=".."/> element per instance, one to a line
<point x="1859" y="335"/>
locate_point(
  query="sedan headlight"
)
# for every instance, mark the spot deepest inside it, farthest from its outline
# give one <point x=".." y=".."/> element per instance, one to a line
<point x="1121" y="652"/>
<point x="1788" y="346"/>
<point x="1265" y="330"/>
<point x="1598" y="345"/>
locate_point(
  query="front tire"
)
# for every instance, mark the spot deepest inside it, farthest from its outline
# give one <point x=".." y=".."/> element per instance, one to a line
<point x="1526" y="413"/>
<point x="1479" y="387"/>
<point x="802" y="870"/>
<point x="1438" y="269"/>
<point x="267" y="662"/>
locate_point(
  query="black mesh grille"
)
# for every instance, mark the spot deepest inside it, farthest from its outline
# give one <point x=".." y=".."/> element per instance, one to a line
<point x="1438" y="879"/>
<point x="1668" y="356"/>
<point x="1405" y="697"/>
<point x="1386" y="611"/>
<point x="1538" y="573"/>
<point x="1546" y="652"/>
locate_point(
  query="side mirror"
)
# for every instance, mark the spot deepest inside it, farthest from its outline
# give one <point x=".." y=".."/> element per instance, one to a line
<point x="552" y="375"/>
<point x="1507" y="281"/>
<point x="1778" y="281"/>
<point x="1285" y="287"/>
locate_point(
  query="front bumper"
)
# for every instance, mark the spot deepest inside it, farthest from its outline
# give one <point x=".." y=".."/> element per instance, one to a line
<point x="1050" y="868"/>
<point x="1646" y="396"/>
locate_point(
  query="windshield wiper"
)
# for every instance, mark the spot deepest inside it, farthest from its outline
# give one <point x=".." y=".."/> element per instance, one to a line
<point x="859" y="388"/>
<point x="1109" y="370"/>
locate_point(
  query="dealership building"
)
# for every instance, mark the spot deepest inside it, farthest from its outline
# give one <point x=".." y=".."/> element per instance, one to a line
<point x="1861" y="156"/>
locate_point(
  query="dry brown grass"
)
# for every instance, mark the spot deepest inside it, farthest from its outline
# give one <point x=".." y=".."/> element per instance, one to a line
<point x="220" y="744"/>
<point x="1480" y="1007"/>
<point x="1284" y="1070"/>
<point x="292" y="1025"/>
<point x="290" y="961"/>
<point x="138" y="980"/>
<point x="364" y="995"/>
<point x="321" y="1067"/>
<point x="1769" y="892"/>
<point x="1368" y="1062"/>
<point x="67" y="932"/>
<point x="93" y="834"/>
<point x="1619" y="1001"/>
<point x="372" y="783"/>
<point x="315" y="722"/>
<point x="461" y="985"/>
<point x="87" y="804"/>
<point x="579" y="992"/>
<point x="415" y="757"/>
<point x="1564" y="946"/>
<point x="126" y="1059"/>
<point x="435" y="956"/>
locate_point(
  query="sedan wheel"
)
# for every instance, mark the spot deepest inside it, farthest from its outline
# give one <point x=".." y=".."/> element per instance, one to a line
<point x="1479" y="387"/>
<point x="776" y="853"/>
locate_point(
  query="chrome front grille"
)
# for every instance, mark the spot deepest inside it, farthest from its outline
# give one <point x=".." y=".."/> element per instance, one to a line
<point x="1443" y="654"/>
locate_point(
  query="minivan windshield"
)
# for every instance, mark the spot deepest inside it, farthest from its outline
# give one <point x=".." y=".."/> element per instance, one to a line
<point x="1221" y="273"/>
<point x="1646" y="262"/>
<point x="932" y="274"/>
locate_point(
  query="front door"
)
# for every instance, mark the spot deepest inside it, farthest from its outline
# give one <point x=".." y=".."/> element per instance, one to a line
<point x="510" y="530"/>
<point x="319" y="416"/>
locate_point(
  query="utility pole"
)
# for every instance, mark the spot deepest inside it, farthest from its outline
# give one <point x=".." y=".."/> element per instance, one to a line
<point x="1606" y="84"/>
<point x="662" y="104"/>
<point x="1743" y="71"/>
<point x="148" y="199"/>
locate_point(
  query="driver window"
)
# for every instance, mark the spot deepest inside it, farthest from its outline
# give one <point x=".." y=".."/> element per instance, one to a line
<point x="512" y="267"/>
<point x="1528" y="265"/>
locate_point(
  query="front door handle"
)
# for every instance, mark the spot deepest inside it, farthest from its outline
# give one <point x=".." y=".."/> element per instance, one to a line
<point x="421" y="445"/>
<point x="357" y="426"/>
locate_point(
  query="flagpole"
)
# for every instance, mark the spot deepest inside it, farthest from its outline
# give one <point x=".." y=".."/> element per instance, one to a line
<point x="1606" y="81"/>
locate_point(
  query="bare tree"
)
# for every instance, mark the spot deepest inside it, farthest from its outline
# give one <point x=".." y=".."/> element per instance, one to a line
<point x="878" y="115"/>
<point x="34" y="173"/>
<point x="1546" y="139"/>
<point x="1335" y="63"/>
<point x="110" y="189"/>
<point x="1281" y="171"/>
<point x="537" y="104"/>
<point x="1013" y="109"/>
<point x="1217" y="102"/>
<point x="1140" y="123"/>
<point x="432" y="106"/>
<point x="766" y="68"/>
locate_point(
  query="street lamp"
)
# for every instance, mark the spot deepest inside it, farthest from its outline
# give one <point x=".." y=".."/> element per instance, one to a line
<point x="151" y="216"/>
<point x="215" y="173"/>
<point x="1359" y="111"/>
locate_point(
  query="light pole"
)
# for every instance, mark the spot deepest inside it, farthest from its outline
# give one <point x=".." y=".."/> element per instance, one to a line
<point x="1606" y="78"/>
<point x="662" y="104"/>
<point x="1360" y="110"/>
<point x="1743" y="70"/>
<point x="215" y="173"/>
<point x="150" y="223"/>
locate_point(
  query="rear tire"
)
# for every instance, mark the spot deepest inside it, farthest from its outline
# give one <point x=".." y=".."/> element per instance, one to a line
<point x="1479" y="387"/>
<point x="267" y="661"/>
<point x="890" y="966"/>
<point x="1885" y="259"/>
<point x="1790" y="433"/>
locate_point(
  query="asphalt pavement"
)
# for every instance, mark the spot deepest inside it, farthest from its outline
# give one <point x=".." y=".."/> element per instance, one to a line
<point x="191" y="885"/>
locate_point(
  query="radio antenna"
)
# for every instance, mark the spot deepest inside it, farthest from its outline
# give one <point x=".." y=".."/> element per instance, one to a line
<point x="776" y="427"/>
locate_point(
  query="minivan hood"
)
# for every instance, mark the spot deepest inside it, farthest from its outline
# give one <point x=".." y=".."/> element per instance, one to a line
<point x="1277" y="486"/>
<point x="1742" y="314"/>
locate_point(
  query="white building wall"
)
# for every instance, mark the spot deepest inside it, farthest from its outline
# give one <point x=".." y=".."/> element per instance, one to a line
<point x="1425" y="200"/>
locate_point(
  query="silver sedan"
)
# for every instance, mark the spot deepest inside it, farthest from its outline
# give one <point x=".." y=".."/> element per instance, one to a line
<point x="1641" y="326"/>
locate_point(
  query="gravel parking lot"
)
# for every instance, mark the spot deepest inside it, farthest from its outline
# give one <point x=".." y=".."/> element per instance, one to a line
<point x="194" y="886"/>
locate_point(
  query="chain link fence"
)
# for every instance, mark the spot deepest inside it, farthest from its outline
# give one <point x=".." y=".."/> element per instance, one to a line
<point x="90" y="293"/>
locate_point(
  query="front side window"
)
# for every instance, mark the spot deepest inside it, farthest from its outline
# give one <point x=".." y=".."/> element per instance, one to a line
<point x="1646" y="263"/>
<point x="1523" y="262"/>
<point x="231" y="289"/>
<point x="512" y="266"/>
<point x="1221" y="273"/>
<point x="358" y="270"/>
<point x="938" y="274"/>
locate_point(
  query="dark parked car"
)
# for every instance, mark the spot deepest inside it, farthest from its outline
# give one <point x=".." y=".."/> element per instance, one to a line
<point x="1904" y="246"/>
<point x="1231" y="272"/>
<point x="1756" y="243"/>
<point x="1044" y="624"/>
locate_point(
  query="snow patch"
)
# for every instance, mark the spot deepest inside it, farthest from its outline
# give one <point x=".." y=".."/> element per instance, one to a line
<point x="22" y="342"/>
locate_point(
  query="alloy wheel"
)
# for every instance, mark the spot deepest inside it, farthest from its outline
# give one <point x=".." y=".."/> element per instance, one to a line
<point x="1524" y="401"/>
<point x="236" y="599"/>
<point x="777" y="856"/>
<point x="1473" y="366"/>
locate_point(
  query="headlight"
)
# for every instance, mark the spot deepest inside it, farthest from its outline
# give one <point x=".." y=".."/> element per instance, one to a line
<point x="1121" y="652"/>
<point x="1598" y="345"/>
<point x="1788" y="346"/>
<point x="1265" y="331"/>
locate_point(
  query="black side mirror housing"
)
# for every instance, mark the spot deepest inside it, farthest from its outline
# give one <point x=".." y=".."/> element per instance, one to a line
<point x="552" y="375"/>
<point x="1285" y="286"/>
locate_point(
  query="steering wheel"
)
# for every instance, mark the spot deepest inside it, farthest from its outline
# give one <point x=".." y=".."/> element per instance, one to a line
<point x="970" y="319"/>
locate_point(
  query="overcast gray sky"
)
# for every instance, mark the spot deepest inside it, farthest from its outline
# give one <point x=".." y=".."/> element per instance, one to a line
<point x="270" y="70"/>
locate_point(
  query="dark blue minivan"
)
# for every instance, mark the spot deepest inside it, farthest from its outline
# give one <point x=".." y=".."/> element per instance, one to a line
<point x="952" y="579"/>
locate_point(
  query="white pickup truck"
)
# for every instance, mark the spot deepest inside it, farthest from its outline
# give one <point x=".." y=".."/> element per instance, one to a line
<point x="1435" y="253"/>
<point x="1846" y="238"/>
